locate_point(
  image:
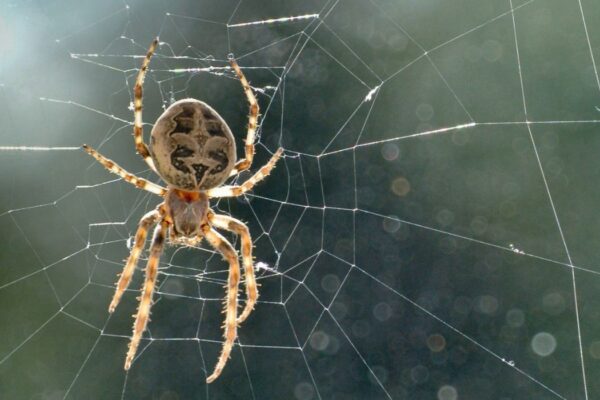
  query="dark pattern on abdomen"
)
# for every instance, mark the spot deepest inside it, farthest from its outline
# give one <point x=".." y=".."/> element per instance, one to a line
<point x="184" y="120"/>
<point x="214" y="128"/>
<point x="221" y="158"/>
<point x="199" y="170"/>
<point x="179" y="153"/>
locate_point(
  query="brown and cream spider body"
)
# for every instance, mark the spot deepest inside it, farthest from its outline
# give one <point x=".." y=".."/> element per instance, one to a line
<point x="193" y="150"/>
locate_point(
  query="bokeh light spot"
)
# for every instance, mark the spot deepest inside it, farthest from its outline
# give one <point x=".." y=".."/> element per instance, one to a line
<point x="543" y="344"/>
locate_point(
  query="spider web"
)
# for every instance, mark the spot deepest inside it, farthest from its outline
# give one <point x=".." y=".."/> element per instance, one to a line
<point x="429" y="233"/>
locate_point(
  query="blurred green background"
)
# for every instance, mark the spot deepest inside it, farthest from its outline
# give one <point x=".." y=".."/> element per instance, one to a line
<point x="408" y="256"/>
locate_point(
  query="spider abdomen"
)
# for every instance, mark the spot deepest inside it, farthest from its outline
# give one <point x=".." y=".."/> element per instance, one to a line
<point x="192" y="146"/>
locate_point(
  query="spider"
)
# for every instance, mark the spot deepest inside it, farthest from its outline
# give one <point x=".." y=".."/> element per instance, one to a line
<point x="193" y="151"/>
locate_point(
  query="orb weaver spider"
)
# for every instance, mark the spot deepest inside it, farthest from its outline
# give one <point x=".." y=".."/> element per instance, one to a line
<point x="193" y="151"/>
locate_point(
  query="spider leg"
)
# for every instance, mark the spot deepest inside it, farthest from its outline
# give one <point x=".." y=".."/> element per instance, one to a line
<point x="127" y="176"/>
<point x="140" y="239"/>
<point x="238" y="227"/>
<point x="234" y="191"/>
<point x="224" y="247"/>
<point x="245" y="163"/>
<point x="143" y="313"/>
<point x="138" y="129"/>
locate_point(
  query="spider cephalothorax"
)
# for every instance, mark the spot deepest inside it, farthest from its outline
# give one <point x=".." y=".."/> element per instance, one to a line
<point x="186" y="210"/>
<point x="193" y="150"/>
<point x="192" y="146"/>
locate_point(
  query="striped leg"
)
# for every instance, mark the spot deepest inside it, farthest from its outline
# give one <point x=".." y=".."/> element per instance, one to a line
<point x="245" y="163"/>
<point x="140" y="239"/>
<point x="138" y="130"/>
<point x="234" y="225"/>
<point x="127" y="176"/>
<point x="224" y="247"/>
<point x="143" y="313"/>
<point x="234" y="191"/>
